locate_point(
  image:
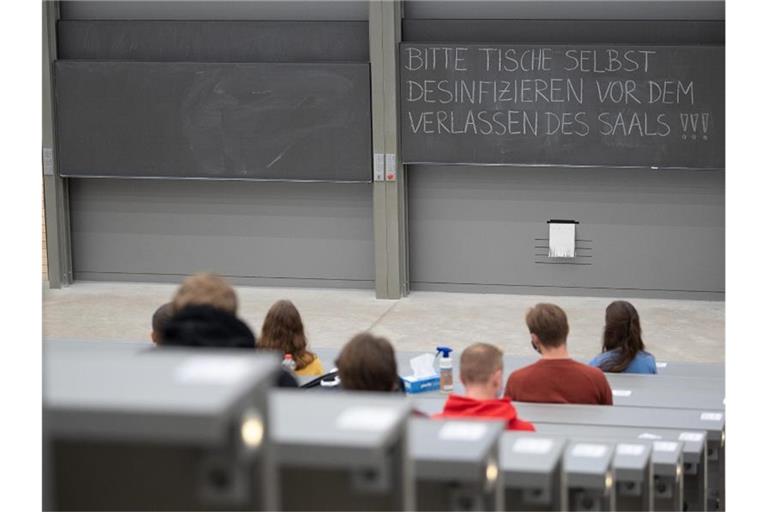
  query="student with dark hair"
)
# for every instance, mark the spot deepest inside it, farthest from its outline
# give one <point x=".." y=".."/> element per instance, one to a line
<point x="202" y="325"/>
<point x="623" y="347"/>
<point x="480" y="370"/>
<point x="555" y="378"/>
<point x="159" y="319"/>
<point x="283" y="330"/>
<point x="367" y="363"/>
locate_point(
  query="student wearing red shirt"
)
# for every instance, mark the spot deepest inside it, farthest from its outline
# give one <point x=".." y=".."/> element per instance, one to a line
<point x="481" y="369"/>
<point x="555" y="378"/>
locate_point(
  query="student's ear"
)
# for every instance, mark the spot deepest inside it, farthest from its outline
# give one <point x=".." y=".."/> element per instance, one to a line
<point x="155" y="338"/>
<point x="496" y="379"/>
<point x="536" y="343"/>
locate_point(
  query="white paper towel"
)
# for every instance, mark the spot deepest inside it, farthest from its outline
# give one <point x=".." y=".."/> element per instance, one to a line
<point x="562" y="240"/>
<point x="423" y="366"/>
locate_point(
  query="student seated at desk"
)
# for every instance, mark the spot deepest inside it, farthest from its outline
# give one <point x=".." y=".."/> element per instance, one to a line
<point x="481" y="369"/>
<point x="283" y="330"/>
<point x="205" y="316"/>
<point x="555" y="378"/>
<point x="367" y="363"/>
<point x="623" y="347"/>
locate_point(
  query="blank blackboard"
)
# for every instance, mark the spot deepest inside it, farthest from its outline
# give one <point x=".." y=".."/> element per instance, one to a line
<point x="274" y="121"/>
<point x="616" y="106"/>
<point x="213" y="41"/>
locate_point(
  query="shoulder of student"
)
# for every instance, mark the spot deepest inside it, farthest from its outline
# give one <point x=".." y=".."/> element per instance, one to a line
<point x="595" y="373"/>
<point x="650" y="361"/>
<point x="595" y="361"/>
<point x="522" y="372"/>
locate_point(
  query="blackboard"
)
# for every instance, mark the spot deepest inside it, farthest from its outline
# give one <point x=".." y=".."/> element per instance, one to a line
<point x="558" y="105"/>
<point x="214" y="120"/>
<point x="213" y="41"/>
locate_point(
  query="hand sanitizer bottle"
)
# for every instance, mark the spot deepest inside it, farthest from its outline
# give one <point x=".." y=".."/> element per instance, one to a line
<point x="446" y="369"/>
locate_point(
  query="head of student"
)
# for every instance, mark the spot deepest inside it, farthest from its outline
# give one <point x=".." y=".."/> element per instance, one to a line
<point x="622" y="333"/>
<point x="283" y="330"/>
<point x="205" y="315"/>
<point x="159" y="320"/>
<point x="481" y="367"/>
<point x="548" y="325"/>
<point x="367" y="363"/>
<point x="206" y="289"/>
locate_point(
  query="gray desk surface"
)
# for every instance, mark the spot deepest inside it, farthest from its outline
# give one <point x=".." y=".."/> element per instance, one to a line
<point x="680" y="419"/>
<point x="658" y="382"/>
<point x="451" y="449"/>
<point x="688" y="420"/>
<point x="334" y="428"/>
<point x="629" y="390"/>
<point x="692" y="441"/>
<point x="529" y="455"/>
<point x="632" y="459"/>
<point x="688" y="369"/>
<point x="668" y="392"/>
<point x="587" y="462"/>
<point x="171" y="394"/>
<point x="513" y="362"/>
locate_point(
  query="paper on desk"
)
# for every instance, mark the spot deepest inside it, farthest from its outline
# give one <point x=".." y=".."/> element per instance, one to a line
<point x="423" y="366"/>
<point x="562" y="240"/>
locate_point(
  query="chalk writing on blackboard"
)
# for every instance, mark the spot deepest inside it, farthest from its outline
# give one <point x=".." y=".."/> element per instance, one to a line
<point x="645" y="99"/>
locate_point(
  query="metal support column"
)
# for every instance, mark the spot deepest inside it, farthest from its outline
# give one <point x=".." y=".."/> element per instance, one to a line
<point x="55" y="191"/>
<point x="389" y="185"/>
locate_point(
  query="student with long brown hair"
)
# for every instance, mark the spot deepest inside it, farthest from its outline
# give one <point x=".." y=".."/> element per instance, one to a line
<point x="623" y="347"/>
<point x="283" y="330"/>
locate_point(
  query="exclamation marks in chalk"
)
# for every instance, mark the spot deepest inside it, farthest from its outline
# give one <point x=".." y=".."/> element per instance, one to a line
<point x="695" y="126"/>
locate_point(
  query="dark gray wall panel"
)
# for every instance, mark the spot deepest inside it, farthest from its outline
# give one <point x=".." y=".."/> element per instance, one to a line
<point x="641" y="232"/>
<point x="266" y="233"/>
<point x="216" y="10"/>
<point x="567" y="9"/>
<point x="208" y="120"/>
<point x="214" y="41"/>
<point x="565" y="31"/>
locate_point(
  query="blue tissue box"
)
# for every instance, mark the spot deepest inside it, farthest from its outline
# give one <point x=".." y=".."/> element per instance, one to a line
<point x="414" y="385"/>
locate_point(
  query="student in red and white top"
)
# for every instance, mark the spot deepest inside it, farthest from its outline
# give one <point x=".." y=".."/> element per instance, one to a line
<point x="555" y="378"/>
<point x="481" y="369"/>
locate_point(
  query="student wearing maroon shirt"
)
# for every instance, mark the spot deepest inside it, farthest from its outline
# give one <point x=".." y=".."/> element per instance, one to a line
<point x="481" y="373"/>
<point x="555" y="378"/>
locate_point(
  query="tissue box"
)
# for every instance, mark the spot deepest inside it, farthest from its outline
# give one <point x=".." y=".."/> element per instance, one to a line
<point x="420" y="385"/>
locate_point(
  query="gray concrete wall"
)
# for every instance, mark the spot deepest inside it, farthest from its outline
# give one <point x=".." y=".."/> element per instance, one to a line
<point x="301" y="234"/>
<point x="641" y="233"/>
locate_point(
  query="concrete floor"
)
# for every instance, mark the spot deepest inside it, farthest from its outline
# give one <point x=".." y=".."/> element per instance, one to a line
<point x="673" y="330"/>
